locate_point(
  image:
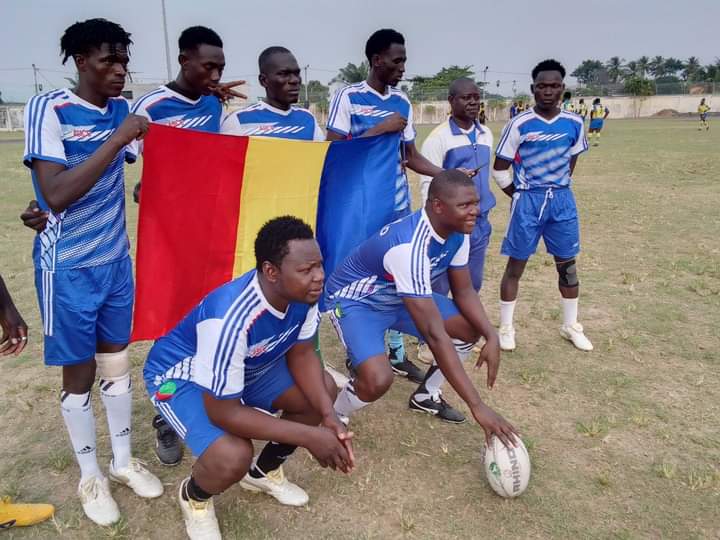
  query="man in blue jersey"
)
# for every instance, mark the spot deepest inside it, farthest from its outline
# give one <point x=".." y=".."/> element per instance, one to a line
<point x="245" y="352"/>
<point x="278" y="115"/>
<point x="76" y="142"/>
<point x="461" y="143"/>
<point x="377" y="107"/>
<point x="542" y="145"/>
<point x="387" y="283"/>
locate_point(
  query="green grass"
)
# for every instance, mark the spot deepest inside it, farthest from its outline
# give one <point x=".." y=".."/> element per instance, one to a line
<point x="624" y="440"/>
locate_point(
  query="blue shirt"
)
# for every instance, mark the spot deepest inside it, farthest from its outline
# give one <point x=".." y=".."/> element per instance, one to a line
<point x="400" y="260"/>
<point x="450" y="147"/>
<point x="262" y="119"/>
<point x="541" y="149"/>
<point x="358" y="107"/>
<point x="63" y="128"/>
<point x="230" y="339"/>
<point x="167" y="107"/>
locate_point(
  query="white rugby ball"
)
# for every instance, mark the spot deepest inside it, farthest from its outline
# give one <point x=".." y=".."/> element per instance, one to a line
<point x="507" y="469"/>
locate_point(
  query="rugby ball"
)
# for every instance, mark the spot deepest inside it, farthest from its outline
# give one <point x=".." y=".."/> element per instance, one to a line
<point x="507" y="469"/>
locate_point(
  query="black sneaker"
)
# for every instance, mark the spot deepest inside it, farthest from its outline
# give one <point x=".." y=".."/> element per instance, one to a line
<point x="350" y="368"/>
<point x="168" y="446"/>
<point x="437" y="406"/>
<point x="405" y="368"/>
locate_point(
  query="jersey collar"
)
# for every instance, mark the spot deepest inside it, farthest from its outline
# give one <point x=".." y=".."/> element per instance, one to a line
<point x="439" y="239"/>
<point x="267" y="106"/>
<point x="179" y="96"/>
<point x="276" y="313"/>
<point x="457" y="130"/>
<point x="74" y="98"/>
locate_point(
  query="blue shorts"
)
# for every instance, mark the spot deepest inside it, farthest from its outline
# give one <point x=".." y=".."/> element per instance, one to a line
<point x="83" y="307"/>
<point x="479" y="240"/>
<point x="185" y="410"/>
<point x="362" y="328"/>
<point x="597" y="123"/>
<point x="550" y="213"/>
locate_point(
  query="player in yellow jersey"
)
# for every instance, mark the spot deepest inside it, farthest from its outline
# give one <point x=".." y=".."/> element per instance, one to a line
<point x="598" y="114"/>
<point x="567" y="104"/>
<point x="703" y="110"/>
<point x="582" y="109"/>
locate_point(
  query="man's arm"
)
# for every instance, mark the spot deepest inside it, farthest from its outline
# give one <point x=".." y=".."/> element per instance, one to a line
<point x="61" y="187"/>
<point x="306" y="369"/>
<point x="573" y="162"/>
<point x="14" y="329"/>
<point x="34" y="218"/>
<point x="468" y="302"/>
<point x="419" y="163"/>
<point x="503" y="165"/>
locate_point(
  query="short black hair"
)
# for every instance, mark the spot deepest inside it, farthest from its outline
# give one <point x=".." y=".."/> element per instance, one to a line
<point x="381" y="41"/>
<point x="271" y="243"/>
<point x="596" y="101"/>
<point x="567" y="95"/>
<point x="191" y="38"/>
<point x="582" y="100"/>
<point x="265" y="56"/>
<point x="80" y="37"/>
<point x="548" y="65"/>
<point x="453" y="90"/>
<point x="446" y="180"/>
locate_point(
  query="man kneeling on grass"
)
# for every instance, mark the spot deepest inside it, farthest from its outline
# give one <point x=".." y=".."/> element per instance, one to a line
<point x="245" y="352"/>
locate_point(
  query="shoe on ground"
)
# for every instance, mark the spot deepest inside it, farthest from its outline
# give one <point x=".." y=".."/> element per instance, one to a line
<point x="436" y="406"/>
<point x="200" y="520"/>
<point x="277" y="485"/>
<point x="407" y="369"/>
<point x="97" y="501"/>
<point x="168" y="446"/>
<point x="23" y="515"/>
<point x="506" y="333"/>
<point x="135" y="476"/>
<point x="576" y="335"/>
<point x="425" y="355"/>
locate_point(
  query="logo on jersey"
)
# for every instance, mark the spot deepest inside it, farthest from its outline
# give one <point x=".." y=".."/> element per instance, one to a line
<point x="268" y="344"/>
<point x="84" y="133"/>
<point x="370" y="110"/>
<point x="434" y="261"/>
<point x="269" y="128"/>
<point x="185" y="122"/>
<point x="537" y="136"/>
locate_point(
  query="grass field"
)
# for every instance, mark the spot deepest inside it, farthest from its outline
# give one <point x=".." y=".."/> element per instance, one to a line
<point x="625" y="441"/>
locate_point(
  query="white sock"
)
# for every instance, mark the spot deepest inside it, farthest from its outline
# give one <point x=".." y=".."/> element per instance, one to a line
<point x="347" y="401"/>
<point x="570" y="311"/>
<point x="117" y="397"/>
<point x="507" y="310"/>
<point x="432" y="383"/>
<point x="80" y="422"/>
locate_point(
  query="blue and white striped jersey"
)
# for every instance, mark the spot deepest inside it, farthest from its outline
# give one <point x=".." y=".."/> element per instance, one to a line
<point x="358" y="107"/>
<point x="400" y="260"/>
<point x="541" y="149"/>
<point x="264" y="120"/>
<point x="230" y="339"/>
<point x="63" y="128"/>
<point x="167" y="107"/>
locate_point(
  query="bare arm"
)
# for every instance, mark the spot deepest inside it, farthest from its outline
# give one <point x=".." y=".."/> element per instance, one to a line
<point x="306" y="369"/>
<point x="419" y="163"/>
<point x="334" y="136"/>
<point x="573" y="162"/>
<point x="502" y="164"/>
<point x="14" y="329"/>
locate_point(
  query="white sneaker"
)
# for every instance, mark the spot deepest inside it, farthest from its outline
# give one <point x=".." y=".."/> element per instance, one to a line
<point x="97" y="501"/>
<point x="200" y="520"/>
<point x="506" y="332"/>
<point x="138" y="478"/>
<point x="574" y="333"/>
<point x="340" y="379"/>
<point x="274" y="483"/>
<point x="425" y="355"/>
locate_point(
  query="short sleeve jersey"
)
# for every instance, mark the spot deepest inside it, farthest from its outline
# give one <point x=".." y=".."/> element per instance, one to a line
<point x="402" y="259"/>
<point x="541" y="149"/>
<point x="230" y="340"/>
<point x="358" y="107"/>
<point x="167" y="107"/>
<point x="63" y="128"/>
<point x="264" y="120"/>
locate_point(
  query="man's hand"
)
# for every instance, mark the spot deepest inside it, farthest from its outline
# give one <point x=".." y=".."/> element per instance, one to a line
<point x="393" y="123"/>
<point x="224" y="91"/>
<point x="494" y="424"/>
<point x="333" y="423"/>
<point x="133" y="127"/>
<point x="490" y="355"/>
<point x="34" y="218"/>
<point x="326" y="446"/>
<point x="14" y="331"/>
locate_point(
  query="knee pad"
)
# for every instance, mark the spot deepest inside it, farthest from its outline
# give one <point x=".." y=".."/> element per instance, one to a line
<point x="567" y="274"/>
<point x="114" y="372"/>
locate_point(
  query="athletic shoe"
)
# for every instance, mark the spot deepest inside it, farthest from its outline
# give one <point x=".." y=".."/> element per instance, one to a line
<point x="275" y="484"/>
<point x="340" y="379"/>
<point x="168" y="446"/>
<point x="405" y="368"/>
<point x="506" y="333"/>
<point x="574" y="333"/>
<point x="424" y="354"/>
<point x="436" y="406"/>
<point x="97" y="501"/>
<point x="200" y="520"/>
<point x="23" y="515"/>
<point x="138" y="478"/>
<point x="349" y="367"/>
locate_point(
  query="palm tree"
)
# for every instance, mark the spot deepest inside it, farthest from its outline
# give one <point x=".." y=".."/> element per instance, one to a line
<point x="656" y="67"/>
<point x="672" y="66"/>
<point x="643" y="65"/>
<point x="632" y="68"/>
<point x="691" y="69"/>
<point x="614" y="68"/>
<point x="352" y="73"/>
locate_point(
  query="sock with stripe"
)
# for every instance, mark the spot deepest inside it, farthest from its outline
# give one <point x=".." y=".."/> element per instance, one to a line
<point x="116" y="395"/>
<point x="80" y="422"/>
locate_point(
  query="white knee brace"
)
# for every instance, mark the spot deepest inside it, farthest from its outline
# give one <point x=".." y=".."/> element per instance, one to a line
<point x="114" y="372"/>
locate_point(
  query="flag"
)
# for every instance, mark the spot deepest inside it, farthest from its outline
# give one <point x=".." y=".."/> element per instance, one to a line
<point x="205" y="197"/>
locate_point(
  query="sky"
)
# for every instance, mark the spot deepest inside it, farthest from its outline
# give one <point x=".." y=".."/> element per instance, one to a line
<point x="327" y="34"/>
